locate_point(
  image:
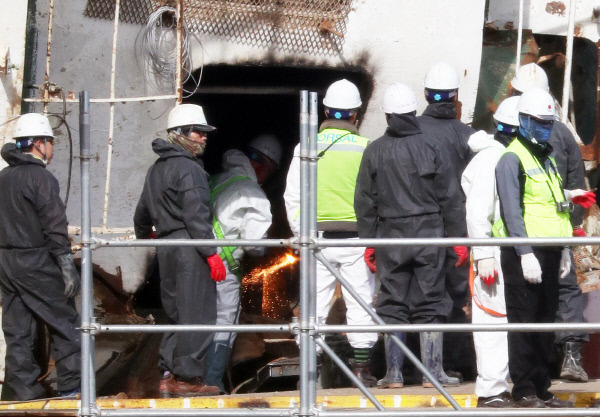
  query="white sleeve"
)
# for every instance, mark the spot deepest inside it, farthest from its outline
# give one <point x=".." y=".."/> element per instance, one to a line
<point x="480" y="191"/>
<point x="292" y="193"/>
<point x="256" y="222"/>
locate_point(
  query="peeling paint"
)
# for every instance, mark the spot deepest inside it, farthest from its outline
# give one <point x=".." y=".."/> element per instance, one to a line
<point x="556" y="7"/>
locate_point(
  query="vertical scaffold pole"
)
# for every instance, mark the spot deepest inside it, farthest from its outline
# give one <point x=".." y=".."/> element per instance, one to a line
<point x="88" y="396"/>
<point x="304" y="240"/>
<point x="313" y="120"/>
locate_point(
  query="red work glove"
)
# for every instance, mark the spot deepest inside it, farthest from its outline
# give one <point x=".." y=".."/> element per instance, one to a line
<point x="370" y="259"/>
<point x="578" y="232"/>
<point x="152" y="235"/>
<point x="463" y="255"/>
<point x="217" y="269"/>
<point x="583" y="198"/>
<point x="487" y="271"/>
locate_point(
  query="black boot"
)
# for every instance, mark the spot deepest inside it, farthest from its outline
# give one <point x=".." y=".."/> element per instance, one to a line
<point x="216" y="360"/>
<point x="394" y="359"/>
<point x="363" y="371"/>
<point x="431" y="356"/>
<point x="571" y="368"/>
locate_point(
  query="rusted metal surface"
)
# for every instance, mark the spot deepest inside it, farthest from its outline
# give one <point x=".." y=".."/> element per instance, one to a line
<point x="556" y="7"/>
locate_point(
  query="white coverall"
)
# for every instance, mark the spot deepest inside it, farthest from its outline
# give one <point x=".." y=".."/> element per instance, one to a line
<point x="483" y="209"/>
<point x="244" y="212"/>
<point x="349" y="262"/>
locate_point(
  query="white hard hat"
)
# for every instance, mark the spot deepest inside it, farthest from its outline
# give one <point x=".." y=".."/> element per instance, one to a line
<point x="269" y="146"/>
<point x="188" y="115"/>
<point x="342" y="95"/>
<point x="530" y="76"/>
<point x="507" y="112"/>
<point x="31" y="125"/>
<point x="441" y="76"/>
<point x="399" y="98"/>
<point x="538" y="103"/>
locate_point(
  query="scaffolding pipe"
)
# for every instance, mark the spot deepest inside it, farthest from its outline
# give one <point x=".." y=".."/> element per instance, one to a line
<point x="395" y="338"/>
<point x="473" y="412"/>
<point x="305" y="257"/>
<point x="374" y="242"/>
<point x="88" y="400"/>
<point x="191" y="412"/>
<point x="564" y="115"/>
<point x="313" y="130"/>
<point x="519" y="36"/>
<point x="111" y="119"/>
<point x="340" y="363"/>
<point x="48" y="53"/>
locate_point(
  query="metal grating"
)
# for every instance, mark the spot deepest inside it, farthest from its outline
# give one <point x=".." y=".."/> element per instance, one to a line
<point x="315" y="26"/>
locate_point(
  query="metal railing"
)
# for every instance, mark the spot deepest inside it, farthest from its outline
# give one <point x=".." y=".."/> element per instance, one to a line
<point x="307" y="328"/>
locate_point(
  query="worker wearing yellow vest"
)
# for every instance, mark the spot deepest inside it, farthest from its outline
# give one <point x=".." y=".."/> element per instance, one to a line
<point x="340" y="150"/>
<point x="487" y="283"/>
<point x="533" y="204"/>
<point x="241" y="210"/>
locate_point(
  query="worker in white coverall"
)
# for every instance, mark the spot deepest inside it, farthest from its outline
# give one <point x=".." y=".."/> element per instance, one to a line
<point x="487" y="288"/>
<point x="340" y="152"/>
<point x="241" y="211"/>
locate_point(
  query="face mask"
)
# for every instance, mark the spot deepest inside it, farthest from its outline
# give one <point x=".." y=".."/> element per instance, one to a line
<point x="193" y="147"/>
<point x="535" y="130"/>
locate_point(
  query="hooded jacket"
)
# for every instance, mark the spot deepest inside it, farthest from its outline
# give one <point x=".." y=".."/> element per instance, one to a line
<point x="439" y="123"/>
<point x="176" y="196"/>
<point x="32" y="215"/>
<point x="402" y="174"/>
<point x="479" y="185"/>
<point x="241" y="206"/>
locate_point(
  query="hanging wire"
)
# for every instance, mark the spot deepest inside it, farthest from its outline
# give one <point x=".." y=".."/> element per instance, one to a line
<point x="159" y="50"/>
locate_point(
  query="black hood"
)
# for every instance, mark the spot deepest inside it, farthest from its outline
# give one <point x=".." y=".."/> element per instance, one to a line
<point x="504" y="138"/>
<point x="401" y="125"/>
<point x="14" y="156"/>
<point x="440" y="111"/>
<point x="167" y="150"/>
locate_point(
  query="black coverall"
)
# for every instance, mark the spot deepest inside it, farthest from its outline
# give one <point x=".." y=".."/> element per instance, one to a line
<point x="439" y="123"/>
<point x="33" y="232"/>
<point x="176" y="201"/>
<point x="404" y="189"/>
<point x="529" y="354"/>
<point x="571" y="169"/>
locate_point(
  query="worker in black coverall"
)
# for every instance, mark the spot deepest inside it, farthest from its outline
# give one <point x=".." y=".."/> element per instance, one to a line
<point x="176" y="201"/>
<point x="405" y="189"/>
<point x="37" y="274"/>
<point x="439" y="122"/>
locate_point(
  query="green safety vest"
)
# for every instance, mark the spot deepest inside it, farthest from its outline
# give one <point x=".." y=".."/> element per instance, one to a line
<point x="542" y="190"/>
<point x="337" y="172"/>
<point x="226" y="251"/>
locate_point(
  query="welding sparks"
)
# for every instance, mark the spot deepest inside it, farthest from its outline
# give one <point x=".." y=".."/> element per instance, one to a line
<point x="273" y="297"/>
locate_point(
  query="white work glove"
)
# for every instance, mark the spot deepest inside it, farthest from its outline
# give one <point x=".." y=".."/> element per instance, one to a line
<point x="487" y="270"/>
<point x="532" y="271"/>
<point x="565" y="263"/>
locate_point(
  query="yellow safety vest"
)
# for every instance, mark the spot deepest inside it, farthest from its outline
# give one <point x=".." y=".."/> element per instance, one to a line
<point x="542" y="190"/>
<point x="337" y="171"/>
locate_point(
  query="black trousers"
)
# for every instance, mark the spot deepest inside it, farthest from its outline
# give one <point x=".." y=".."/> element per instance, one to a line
<point x="412" y="278"/>
<point x="32" y="288"/>
<point x="189" y="296"/>
<point x="570" y="307"/>
<point x="530" y="355"/>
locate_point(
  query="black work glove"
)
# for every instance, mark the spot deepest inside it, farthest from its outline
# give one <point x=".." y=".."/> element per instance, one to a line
<point x="69" y="274"/>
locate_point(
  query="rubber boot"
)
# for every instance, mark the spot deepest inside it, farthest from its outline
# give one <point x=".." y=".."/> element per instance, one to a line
<point x="431" y="356"/>
<point x="571" y="368"/>
<point x="363" y="371"/>
<point x="394" y="359"/>
<point x="215" y="361"/>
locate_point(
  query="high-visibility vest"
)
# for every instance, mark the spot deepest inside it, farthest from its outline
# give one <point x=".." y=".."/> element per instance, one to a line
<point x="341" y="153"/>
<point x="542" y="191"/>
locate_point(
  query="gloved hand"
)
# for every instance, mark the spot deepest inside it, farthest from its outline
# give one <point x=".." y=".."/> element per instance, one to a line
<point x="578" y="232"/>
<point x="152" y="235"/>
<point x="217" y="268"/>
<point x="565" y="263"/>
<point x="532" y="271"/>
<point x="370" y="259"/>
<point x="581" y="197"/>
<point x="463" y="255"/>
<point x="486" y="268"/>
<point x="69" y="274"/>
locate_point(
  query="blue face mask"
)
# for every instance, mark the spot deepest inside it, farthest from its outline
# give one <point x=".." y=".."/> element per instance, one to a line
<point x="501" y="127"/>
<point x="535" y="130"/>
